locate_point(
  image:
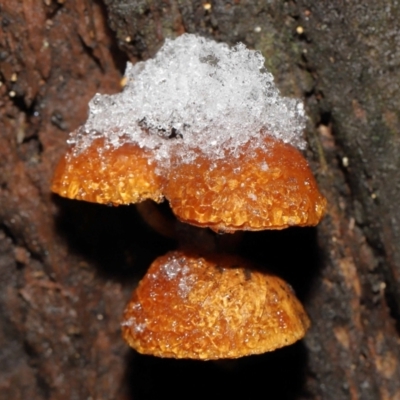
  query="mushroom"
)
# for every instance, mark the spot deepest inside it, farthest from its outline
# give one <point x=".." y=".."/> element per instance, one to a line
<point x="267" y="188"/>
<point x="204" y="126"/>
<point x="211" y="307"/>
<point x="106" y="174"/>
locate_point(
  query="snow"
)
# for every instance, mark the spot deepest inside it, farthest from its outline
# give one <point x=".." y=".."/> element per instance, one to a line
<point x="177" y="269"/>
<point x="195" y="95"/>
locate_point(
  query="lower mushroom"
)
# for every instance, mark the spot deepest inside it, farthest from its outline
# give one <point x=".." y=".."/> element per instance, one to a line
<point x="188" y="306"/>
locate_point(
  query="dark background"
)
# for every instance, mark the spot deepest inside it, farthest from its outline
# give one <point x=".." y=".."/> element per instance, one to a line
<point x="67" y="268"/>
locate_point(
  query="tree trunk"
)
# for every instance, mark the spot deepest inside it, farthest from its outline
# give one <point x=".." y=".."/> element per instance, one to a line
<point x="68" y="267"/>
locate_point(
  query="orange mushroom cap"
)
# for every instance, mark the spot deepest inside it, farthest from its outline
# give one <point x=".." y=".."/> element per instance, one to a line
<point x="271" y="188"/>
<point x="106" y="174"/>
<point x="210" y="308"/>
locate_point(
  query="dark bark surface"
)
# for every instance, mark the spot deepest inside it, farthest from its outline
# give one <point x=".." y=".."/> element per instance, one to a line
<point x="67" y="268"/>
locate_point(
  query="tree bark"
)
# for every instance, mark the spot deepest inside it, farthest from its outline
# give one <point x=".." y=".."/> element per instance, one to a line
<point x="68" y="267"/>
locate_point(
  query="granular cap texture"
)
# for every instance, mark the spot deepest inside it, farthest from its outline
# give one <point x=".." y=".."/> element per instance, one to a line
<point x="268" y="188"/>
<point x="188" y="306"/>
<point x="108" y="175"/>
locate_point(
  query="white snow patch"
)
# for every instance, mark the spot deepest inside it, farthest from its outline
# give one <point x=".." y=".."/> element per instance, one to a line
<point x="132" y="323"/>
<point x="195" y="94"/>
<point x="177" y="268"/>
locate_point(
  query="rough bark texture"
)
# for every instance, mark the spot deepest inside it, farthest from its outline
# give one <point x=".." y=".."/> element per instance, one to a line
<point x="67" y="268"/>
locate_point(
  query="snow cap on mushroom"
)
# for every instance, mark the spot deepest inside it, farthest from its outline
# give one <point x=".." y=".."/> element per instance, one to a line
<point x="195" y="95"/>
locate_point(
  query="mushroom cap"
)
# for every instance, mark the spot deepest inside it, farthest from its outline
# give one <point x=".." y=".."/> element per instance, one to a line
<point x="108" y="175"/>
<point x="209" y="308"/>
<point x="269" y="188"/>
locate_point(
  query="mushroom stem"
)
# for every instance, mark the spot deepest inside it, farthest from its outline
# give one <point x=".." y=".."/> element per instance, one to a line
<point x="189" y="237"/>
<point x="156" y="219"/>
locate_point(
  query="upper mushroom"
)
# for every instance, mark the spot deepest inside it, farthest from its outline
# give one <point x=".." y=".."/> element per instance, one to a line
<point x="107" y="175"/>
<point x="269" y="188"/>
<point x="203" y="125"/>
